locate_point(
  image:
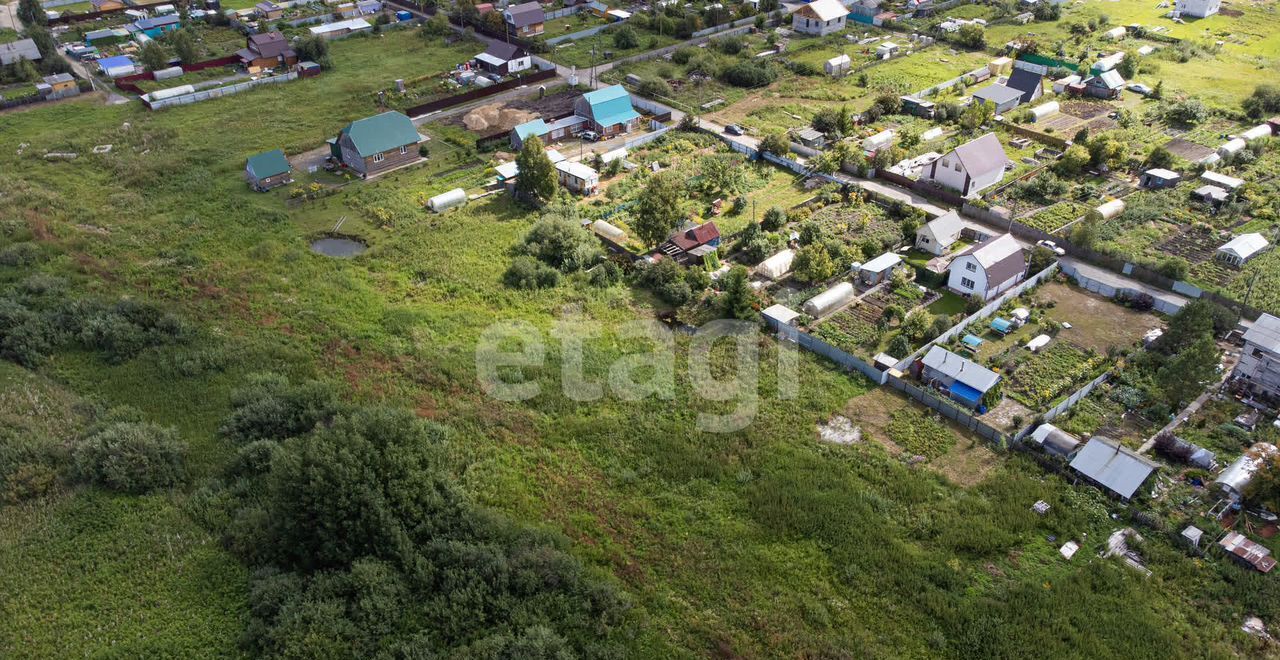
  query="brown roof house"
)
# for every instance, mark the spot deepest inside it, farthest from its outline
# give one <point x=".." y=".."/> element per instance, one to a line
<point x="377" y="144"/>
<point x="988" y="269"/>
<point x="525" y="19"/>
<point x="267" y="50"/>
<point x="691" y="243"/>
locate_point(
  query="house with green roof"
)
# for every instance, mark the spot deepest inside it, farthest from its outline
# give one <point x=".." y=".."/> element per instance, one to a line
<point x="267" y="170"/>
<point x="608" y="111"/>
<point x="376" y="144"/>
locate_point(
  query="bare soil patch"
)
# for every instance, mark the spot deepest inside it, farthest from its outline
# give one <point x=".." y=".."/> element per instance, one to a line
<point x="1187" y="149"/>
<point x="1096" y="323"/>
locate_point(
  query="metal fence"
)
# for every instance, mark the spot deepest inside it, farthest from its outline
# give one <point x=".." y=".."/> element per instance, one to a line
<point x="561" y="13"/>
<point x="647" y="137"/>
<point x="808" y="341"/>
<point x="951" y="411"/>
<point x="580" y="34"/>
<point x="216" y="92"/>
<point x="479" y="93"/>
<point x="987" y="310"/>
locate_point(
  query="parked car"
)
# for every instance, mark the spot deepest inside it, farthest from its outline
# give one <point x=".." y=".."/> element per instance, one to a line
<point x="1052" y="247"/>
<point x="589" y="136"/>
<point x="734" y="129"/>
<point x="1139" y="88"/>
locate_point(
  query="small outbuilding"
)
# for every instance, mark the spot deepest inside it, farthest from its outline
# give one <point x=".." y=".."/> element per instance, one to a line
<point x="268" y="170"/>
<point x="1159" y="178"/>
<point x="1245" y="551"/>
<point x="578" y="177"/>
<point x="1242" y="248"/>
<point x="1211" y="195"/>
<point x="964" y="380"/>
<point x="1112" y="466"/>
<point x="837" y="66"/>
<point x="938" y="235"/>
<point x="879" y="269"/>
<point x="1222" y="180"/>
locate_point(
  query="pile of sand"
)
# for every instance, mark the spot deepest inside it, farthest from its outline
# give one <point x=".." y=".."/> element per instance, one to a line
<point x="495" y="117"/>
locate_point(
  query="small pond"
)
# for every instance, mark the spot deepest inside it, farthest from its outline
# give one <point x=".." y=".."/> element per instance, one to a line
<point x="343" y="248"/>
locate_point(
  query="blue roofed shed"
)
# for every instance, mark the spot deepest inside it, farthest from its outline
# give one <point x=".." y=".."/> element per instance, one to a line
<point x="972" y="341"/>
<point x="1002" y="326"/>
<point x="154" y="27"/>
<point x="522" y="132"/>
<point x="965" y="394"/>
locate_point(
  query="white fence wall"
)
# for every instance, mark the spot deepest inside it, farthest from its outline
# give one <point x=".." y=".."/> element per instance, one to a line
<point x="647" y="137"/>
<point x="216" y="92"/>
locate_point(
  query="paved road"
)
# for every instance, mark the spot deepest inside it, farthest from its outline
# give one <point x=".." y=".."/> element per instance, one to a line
<point x="9" y="16"/>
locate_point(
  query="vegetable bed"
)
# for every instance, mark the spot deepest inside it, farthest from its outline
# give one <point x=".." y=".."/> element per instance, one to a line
<point x="1051" y="373"/>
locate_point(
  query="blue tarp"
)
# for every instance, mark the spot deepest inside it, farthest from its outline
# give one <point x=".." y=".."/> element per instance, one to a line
<point x="966" y="394"/>
<point x="972" y="341"/>
<point x="1002" y="325"/>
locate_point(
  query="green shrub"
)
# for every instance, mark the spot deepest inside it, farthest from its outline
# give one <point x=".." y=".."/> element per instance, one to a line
<point x="270" y="407"/>
<point x="130" y="457"/>
<point x="529" y="273"/>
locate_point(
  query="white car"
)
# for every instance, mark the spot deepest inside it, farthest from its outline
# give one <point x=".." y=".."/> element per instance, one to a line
<point x="1052" y="247"/>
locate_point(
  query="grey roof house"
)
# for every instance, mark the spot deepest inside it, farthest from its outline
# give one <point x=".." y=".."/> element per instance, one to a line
<point x="963" y="379"/>
<point x="23" y="49"/>
<point x="1113" y="466"/>
<point x="1002" y="97"/>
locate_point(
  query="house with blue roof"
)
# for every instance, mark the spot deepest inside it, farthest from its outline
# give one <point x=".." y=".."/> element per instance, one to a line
<point x="157" y="26"/>
<point x="548" y="132"/>
<point x="608" y="111"/>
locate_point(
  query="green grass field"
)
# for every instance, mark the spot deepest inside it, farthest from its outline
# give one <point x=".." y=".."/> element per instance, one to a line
<point x="761" y="542"/>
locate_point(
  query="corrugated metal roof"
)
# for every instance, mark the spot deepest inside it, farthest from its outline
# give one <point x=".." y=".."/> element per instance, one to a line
<point x="998" y="94"/>
<point x="967" y="371"/>
<point x="1116" y="467"/>
<point x="1265" y="332"/>
<point x="881" y="263"/>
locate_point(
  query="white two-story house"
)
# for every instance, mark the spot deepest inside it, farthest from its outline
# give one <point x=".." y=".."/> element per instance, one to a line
<point x="971" y="167"/>
<point x="988" y="269"/>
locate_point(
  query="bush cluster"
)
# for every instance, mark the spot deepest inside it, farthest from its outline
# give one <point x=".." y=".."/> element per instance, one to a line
<point x="361" y="543"/>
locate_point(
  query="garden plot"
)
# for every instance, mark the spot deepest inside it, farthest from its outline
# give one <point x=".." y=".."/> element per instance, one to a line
<point x="1053" y="218"/>
<point x="914" y="433"/>
<point x="1060" y="124"/>
<point x="1187" y="150"/>
<point x="1198" y="247"/>
<point x="1037" y="380"/>
<point x="866" y="226"/>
